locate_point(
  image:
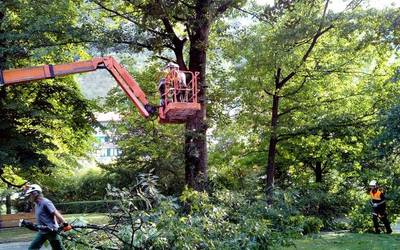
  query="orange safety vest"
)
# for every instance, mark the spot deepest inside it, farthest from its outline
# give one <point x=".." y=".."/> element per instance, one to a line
<point x="376" y="196"/>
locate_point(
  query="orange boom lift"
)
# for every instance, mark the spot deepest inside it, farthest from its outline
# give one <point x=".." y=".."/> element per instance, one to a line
<point x="174" y="110"/>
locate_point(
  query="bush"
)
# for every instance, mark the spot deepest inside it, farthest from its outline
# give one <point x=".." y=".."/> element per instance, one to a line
<point x="306" y="224"/>
<point x="312" y="225"/>
<point x="224" y="220"/>
<point x="143" y="218"/>
<point x="360" y="218"/>
<point x="89" y="185"/>
<point x="77" y="207"/>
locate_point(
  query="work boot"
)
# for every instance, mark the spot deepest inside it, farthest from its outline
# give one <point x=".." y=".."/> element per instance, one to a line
<point x="377" y="231"/>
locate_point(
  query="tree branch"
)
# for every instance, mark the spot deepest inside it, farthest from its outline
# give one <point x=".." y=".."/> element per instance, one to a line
<point x="319" y="33"/>
<point x="317" y="104"/>
<point x="307" y="131"/>
<point x="268" y="93"/>
<point x="124" y="16"/>
<point x="298" y="89"/>
<point x="223" y="7"/>
<point x="165" y="59"/>
<point x="10" y="183"/>
<point x="254" y="15"/>
<point x="277" y="78"/>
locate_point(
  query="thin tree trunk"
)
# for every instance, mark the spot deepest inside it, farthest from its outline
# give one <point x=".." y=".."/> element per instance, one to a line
<point x="8" y="202"/>
<point x="280" y="81"/>
<point x="318" y="172"/>
<point x="3" y="92"/>
<point x="272" y="144"/>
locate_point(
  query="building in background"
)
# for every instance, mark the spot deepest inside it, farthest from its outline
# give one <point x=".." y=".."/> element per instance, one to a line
<point x="106" y="149"/>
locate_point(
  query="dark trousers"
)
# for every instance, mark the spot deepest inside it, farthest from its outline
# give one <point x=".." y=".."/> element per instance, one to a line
<point x="383" y="217"/>
<point x="40" y="239"/>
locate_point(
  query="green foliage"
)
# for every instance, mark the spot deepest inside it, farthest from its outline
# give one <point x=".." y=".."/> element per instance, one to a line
<point x="312" y="225"/>
<point x="226" y="219"/>
<point x="76" y="207"/>
<point x="172" y="31"/>
<point x="137" y="26"/>
<point x="387" y="142"/>
<point x="337" y="126"/>
<point x="87" y="185"/>
<point x="328" y="113"/>
<point x="44" y="124"/>
<point x="361" y="219"/>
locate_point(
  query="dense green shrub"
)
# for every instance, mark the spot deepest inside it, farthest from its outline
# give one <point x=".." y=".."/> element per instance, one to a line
<point x="77" y="207"/>
<point x="87" y="185"/>
<point x="305" y="224"/>
<point x="222" y="219"/>
<point x="228" y="220"/>
<point x="197" y="220"/>
<point x="312" y="225"/>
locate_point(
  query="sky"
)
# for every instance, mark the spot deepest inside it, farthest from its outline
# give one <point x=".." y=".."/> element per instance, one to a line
<point x="339" y="5"/>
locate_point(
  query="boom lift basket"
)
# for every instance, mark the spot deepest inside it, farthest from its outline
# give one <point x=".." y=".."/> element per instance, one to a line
<point x="179" y="98"/>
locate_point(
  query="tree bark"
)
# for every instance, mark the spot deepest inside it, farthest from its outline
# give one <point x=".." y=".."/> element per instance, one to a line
<point x="8" y="202"/>
<point x="2" y="88"/>
<point x="318" y="172"/>
<point x="2" y="42"/>
<point x="273" y="141"/>
<point x="196" y="128"/>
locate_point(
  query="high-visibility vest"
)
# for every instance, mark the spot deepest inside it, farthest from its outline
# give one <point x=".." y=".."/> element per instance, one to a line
<point x="376" y="195"/>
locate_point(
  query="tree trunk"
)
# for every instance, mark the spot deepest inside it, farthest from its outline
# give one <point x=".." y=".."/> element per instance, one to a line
<point x="2" y="42"/>
<point x="196" y="128"/>
<point x="178" y="51"/>
<point x="2" y="88"/>
<point x="8" y="203"/>
<point x="273" y="141"/>
<point x="318" y="172"/>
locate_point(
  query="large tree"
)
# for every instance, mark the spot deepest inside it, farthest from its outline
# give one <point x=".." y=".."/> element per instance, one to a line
<point x="316" y="74"/>
<point x="45" y="124"/>
<point x="180" y="27"/>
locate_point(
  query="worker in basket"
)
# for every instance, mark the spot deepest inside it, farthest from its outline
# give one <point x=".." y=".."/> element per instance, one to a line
<point x="172" y="75"/>
<point x="378" y="204"/>
<point x="47" y="219"/>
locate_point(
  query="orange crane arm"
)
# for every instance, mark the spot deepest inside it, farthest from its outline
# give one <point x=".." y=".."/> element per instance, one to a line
<point x="120" y="74"/>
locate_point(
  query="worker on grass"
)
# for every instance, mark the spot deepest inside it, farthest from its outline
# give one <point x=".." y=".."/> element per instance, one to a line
<point x="378" y="204"/>
<point x="48" y="217"/>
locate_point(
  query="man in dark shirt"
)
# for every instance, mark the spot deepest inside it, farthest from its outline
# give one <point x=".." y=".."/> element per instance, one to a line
<point x="378" y="204"/>
<point x="47" y="217"/>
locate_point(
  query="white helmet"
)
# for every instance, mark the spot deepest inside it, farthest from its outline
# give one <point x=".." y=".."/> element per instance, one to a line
<point x="373" y="183"/>
<point x="33" y="187"/>
<point x="172" y="65"/>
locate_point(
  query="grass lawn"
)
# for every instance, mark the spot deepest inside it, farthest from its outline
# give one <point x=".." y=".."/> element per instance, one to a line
<point x="23" y="234"/>
<point x="347" y="241"/>
<point x="89" y="218"/>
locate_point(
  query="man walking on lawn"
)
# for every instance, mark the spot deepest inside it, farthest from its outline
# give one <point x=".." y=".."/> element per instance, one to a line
<point x="48" y="217"/>
<point x="378" y="204"/>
